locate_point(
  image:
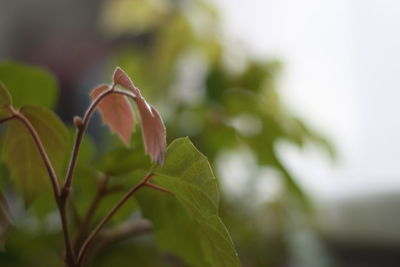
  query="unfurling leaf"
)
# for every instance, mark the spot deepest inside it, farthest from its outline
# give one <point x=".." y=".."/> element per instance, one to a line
<point x="22" y="156"/>
<point x="121" y="78"/>
<point x="5" y="101"/>
<point x="116" y="113"/>
<point x="153" y="129"/>
<point x="188" y="224"/>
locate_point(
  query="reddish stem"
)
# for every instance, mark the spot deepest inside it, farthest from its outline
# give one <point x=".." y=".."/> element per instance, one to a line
<point x="81" y="131"/>
<point x="70" y="257"/>
<point x="92" y="236"/>
<point x="101" y="191"/>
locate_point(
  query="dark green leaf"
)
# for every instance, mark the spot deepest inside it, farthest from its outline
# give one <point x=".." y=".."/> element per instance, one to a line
<point x="21" y="154"/>
<point x="29" y="85"/>
<point x="188" y="225"/>
<point x="122" y="160"/>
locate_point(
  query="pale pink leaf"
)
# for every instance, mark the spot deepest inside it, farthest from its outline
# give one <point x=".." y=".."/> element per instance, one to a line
<point x="121" y="78"/>
<point x="153" y="129"/>
<point x="116" y="112"/>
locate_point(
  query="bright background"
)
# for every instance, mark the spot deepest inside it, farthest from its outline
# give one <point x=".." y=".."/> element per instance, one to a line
<point x="340" y="73"/>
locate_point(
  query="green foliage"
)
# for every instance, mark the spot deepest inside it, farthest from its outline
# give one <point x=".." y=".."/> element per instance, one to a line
<point x="22" y="156"/>
<point x="5" y="220"/>
<point x="5" y="101"/>
<point x="223" y="99"/>
<point x="5" y="98"/>
<point x="29" y="85"/>
<point x="186" y="173"/>
<point x="188" y="225"/>
<point x="122" y="161"/>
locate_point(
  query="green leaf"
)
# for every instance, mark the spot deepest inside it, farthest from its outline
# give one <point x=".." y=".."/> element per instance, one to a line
<point x="22" y="156"/>
<point x="29" y="85"/>
<point x="5" y="220"/>
<point x="122" y="160"/>
<point x="5" y="100"/>
<point x="188" y="225"/>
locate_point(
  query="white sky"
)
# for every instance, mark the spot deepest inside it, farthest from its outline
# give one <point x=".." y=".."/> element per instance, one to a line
<point x="341" y="73"/>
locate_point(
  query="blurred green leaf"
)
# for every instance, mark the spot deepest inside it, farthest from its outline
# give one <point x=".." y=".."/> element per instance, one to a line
<point x="29" y="85"/>
<point x="121" y="160"/>
<point x="124" y="160"/>
<point x="253" y="77"/>
<point x="5" y="220"/>
<point x="5" y="100"/>
<point x="21" y="154"/>
<point x="188" y="225"/>
<point x="216" y="83"/>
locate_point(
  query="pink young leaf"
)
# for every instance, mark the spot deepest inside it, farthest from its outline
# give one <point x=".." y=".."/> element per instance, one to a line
<point x="121" y="78"/>
<point x="153" y="129"/>
<point x="116" y="112"/>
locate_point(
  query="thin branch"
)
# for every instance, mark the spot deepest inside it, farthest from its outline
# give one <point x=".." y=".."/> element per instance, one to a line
<point x="70" y="255"/>
<point x="61" y="194"/>
<point x="76" y="217"/>
<point x="81" y="131"/>
<point x="101" y="192"/>
<point x="7" y="119"/>
<point x="92" y="236"/>
<point x="70" y="258"/>
<point x="159" y="188"/>
<point x="42" y="151"/>
<point x="124" y="231"/>
<point x="127" y="229"/>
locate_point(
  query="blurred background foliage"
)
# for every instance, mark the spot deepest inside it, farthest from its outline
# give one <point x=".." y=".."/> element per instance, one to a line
<point x="215" y="93"/>
<point x="226" y="102"/>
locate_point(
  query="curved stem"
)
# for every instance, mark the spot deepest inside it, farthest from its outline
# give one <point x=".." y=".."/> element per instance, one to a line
<point x="101" y="192"/>
<point x="64" y="192"/>
<point x="125" y="230"/>
<point x="42" y="151"/>
<point x="70" y="257"/>
<point x="81" y="131"/>
<point x="117" y="206"/>
<point x="7" y="119"/>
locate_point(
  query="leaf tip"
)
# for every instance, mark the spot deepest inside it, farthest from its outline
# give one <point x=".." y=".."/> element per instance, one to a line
<point x="120" y="77"/>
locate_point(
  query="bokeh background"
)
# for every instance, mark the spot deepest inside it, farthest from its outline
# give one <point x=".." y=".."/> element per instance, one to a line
<point x="295" y="103"/>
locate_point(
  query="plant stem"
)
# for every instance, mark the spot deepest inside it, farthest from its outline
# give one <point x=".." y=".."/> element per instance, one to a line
<point x="66" y="189"/>
<point x="7" y="119"/>
<point x="76" y="218"/>
<point x="70" y="258"/>
<point x="61" y="194"/>
<point x="81" y="131"/>
<point x="101" y="192"/>
<point x="126" y="230"/>
<point x="70" y="255"/>
<point x="42" y="151"/>
<point x="117" y="206"/>
<point x="159" y="188"/>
